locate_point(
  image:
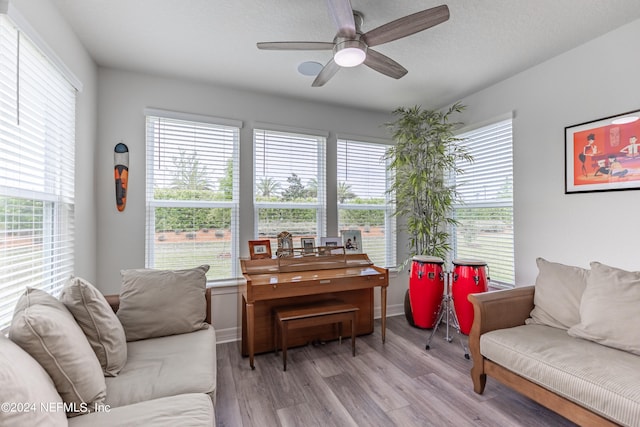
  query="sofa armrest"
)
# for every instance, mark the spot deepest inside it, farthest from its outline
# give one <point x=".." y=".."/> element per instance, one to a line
<point x="491" y="311"/>
<point x="501" y="309"/>
<point x="114" y="302"/>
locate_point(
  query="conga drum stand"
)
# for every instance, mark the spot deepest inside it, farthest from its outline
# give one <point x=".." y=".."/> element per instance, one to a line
<point x="447" y="311"/>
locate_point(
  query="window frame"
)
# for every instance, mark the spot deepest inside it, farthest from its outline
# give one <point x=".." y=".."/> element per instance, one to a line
<point x="388" y="207"/>
<point x="39" y="125"/>
<point x="466" y="133"/>
<point x="151" y="204"/>
<point x="320" y="205"/>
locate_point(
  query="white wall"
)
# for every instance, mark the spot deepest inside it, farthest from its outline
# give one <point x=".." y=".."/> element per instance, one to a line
<point x="44" y="18"/>
<point x="122" y="97"/>
<point x="598" y="79"/>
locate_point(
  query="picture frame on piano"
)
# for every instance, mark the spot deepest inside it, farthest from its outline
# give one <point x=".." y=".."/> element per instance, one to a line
<point x="308" y="244"/>
<point x="285" y="244"/>
<point x="259" y="249"/>
<point x="329" y="242"/>
<point x="352" y="241"/>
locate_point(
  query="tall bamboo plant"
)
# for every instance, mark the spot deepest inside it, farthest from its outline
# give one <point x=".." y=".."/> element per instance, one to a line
<point x="423" y="161"/>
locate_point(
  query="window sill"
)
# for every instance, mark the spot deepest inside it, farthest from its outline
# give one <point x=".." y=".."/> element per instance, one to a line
<point x="226" y="283"/>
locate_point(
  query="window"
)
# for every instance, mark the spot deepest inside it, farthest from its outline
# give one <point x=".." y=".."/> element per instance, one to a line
<point x="37" y="141"/>
<point x="192" y="193"/>
<point x="289" y="185"/>
<point x="363" y="203"/>
<point x="485" y="230"/>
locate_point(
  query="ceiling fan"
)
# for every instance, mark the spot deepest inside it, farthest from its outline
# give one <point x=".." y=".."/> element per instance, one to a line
<point x="352" y="47"/>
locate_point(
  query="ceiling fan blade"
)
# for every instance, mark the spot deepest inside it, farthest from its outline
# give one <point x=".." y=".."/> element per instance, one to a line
<point x="406" y="26"/>
<point x="295" y="45"/>
<point x="342" y="14"/>
<point x="383" y="64"/>
<point x="326" y="73"/>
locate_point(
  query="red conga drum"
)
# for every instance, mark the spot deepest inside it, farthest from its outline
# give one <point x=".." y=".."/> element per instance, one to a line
<point x="426" y="287"/>
<point x="469" y="277"/>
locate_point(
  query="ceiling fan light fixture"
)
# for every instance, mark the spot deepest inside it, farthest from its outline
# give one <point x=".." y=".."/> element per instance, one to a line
<point x="350" y="45"/>
<point x="349" y="53"/>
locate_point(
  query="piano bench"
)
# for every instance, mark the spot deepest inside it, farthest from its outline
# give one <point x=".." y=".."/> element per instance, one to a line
<point x="304" y="316"/>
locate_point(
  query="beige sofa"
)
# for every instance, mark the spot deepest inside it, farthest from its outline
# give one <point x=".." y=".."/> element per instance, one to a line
<point x="570" y="342"/>
<point x="165" y="379"/>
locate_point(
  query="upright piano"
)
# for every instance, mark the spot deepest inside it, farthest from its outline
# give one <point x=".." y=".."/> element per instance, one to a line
<point x="299" y="280"/>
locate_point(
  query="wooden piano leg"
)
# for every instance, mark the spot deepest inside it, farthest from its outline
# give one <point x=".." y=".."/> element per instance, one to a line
<point x="383" y="311"/>
<point x="250" y="333"/>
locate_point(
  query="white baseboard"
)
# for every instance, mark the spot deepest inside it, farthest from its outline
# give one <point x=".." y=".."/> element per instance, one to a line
<point x="228" y="335"/>
<point x="392" y="310"/>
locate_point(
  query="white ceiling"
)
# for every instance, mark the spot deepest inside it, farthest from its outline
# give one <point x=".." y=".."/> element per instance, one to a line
<point x="483" y="42"/>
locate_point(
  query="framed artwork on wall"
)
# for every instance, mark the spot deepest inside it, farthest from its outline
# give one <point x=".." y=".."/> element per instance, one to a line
<point x="259" y="249"/>
<point x="603" y="154"/>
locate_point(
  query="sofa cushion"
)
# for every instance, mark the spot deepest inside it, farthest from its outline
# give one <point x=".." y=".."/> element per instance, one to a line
<point x="46" y="330"/>
<point x="156" y="303"/>
<point x="166" y="366"/>
<point x="98" y="322"/>
<point x="185" y="410"/>
<point x="24" y="381"/>
<point x="558" y="291"/>
<point x="610" y="308"/>
<point x="600" y="378"/>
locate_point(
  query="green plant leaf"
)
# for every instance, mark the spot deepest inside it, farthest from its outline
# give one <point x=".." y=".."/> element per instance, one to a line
<point x="425" y="155"/>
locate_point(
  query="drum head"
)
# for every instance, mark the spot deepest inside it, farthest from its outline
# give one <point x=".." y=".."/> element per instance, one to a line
<point x="469" y="262"/>
<point x="428" y="259"/>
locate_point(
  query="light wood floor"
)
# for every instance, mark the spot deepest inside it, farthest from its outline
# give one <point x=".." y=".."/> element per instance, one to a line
<point x="395" y="384"/>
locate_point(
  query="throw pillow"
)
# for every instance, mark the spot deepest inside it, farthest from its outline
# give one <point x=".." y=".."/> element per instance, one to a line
<point x="609" y="308"/>
<point x="156" y="303"/>
<point x="559" y="289"/>
<point x="45" y="329"/>
<point x="25" y="383"/>
<point x="98" y="322"/>
<point x="34" y="296"/>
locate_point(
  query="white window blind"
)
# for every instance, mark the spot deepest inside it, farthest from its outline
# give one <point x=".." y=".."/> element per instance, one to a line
<point x="192" y="195"/>
<point x="363" y="202"/>
<point x="289" y="180"/>
<point x="485" y="216"/>
<point x="37" y="141"/>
